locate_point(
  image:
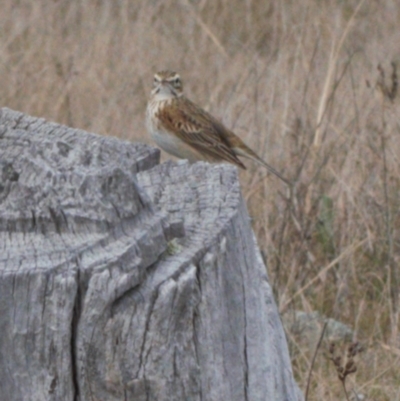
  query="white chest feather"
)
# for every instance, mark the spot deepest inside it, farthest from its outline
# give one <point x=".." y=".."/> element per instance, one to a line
<point x="163" y="138"/>
<point x="153" y="123"/>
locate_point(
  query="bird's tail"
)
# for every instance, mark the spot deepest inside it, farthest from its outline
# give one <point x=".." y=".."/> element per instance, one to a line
<point x="253" y="156"/>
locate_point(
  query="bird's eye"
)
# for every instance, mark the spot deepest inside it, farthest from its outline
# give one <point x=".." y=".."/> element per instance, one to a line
<point x="177" y="82"/>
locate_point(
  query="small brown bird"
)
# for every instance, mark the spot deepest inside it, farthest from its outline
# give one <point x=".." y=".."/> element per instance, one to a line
<point x="183" y="129"/>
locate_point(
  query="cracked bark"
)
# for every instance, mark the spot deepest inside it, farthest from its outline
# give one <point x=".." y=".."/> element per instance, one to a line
<point x="122" y="279"/>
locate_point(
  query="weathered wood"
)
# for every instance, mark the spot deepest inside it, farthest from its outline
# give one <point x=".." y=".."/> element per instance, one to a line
<point x="121" y="279"/>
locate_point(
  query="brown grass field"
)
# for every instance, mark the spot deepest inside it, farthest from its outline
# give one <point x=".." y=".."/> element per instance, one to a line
<point x="299" y="82"/>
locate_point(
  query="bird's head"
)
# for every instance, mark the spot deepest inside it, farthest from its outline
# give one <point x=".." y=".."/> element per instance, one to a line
<point x="167" y="84"/>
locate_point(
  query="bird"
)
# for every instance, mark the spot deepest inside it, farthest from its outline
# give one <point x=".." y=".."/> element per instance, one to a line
<point x="185" y="130"/>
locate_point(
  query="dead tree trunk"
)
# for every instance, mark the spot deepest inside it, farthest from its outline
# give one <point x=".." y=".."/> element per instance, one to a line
<point x="122" y="279"/>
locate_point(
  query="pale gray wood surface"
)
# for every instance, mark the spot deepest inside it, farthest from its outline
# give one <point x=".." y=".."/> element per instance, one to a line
<point x="122" y="279"/>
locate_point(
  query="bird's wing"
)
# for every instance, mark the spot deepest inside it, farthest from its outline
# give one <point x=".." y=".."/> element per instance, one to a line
<point x="235" y="144"/>
<point x="198" y="129"/>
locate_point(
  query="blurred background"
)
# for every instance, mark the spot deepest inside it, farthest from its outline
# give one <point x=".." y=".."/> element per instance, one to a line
<point x="310" y="85"/>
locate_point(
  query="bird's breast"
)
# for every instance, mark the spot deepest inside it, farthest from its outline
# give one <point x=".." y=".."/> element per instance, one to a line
<point x="164" y="139"/>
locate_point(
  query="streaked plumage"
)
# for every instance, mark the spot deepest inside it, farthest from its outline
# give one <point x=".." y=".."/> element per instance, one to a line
<point x="183" y="129"/>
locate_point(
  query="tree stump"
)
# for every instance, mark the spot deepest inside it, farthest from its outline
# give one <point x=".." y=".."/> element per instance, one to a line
<point x="122" y="279"/>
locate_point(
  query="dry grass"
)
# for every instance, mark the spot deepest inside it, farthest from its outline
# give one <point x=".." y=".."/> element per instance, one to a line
<point x="299" y="82"/>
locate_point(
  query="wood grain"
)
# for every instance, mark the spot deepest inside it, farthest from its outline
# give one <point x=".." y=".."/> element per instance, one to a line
<point x="122" y="279"/>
